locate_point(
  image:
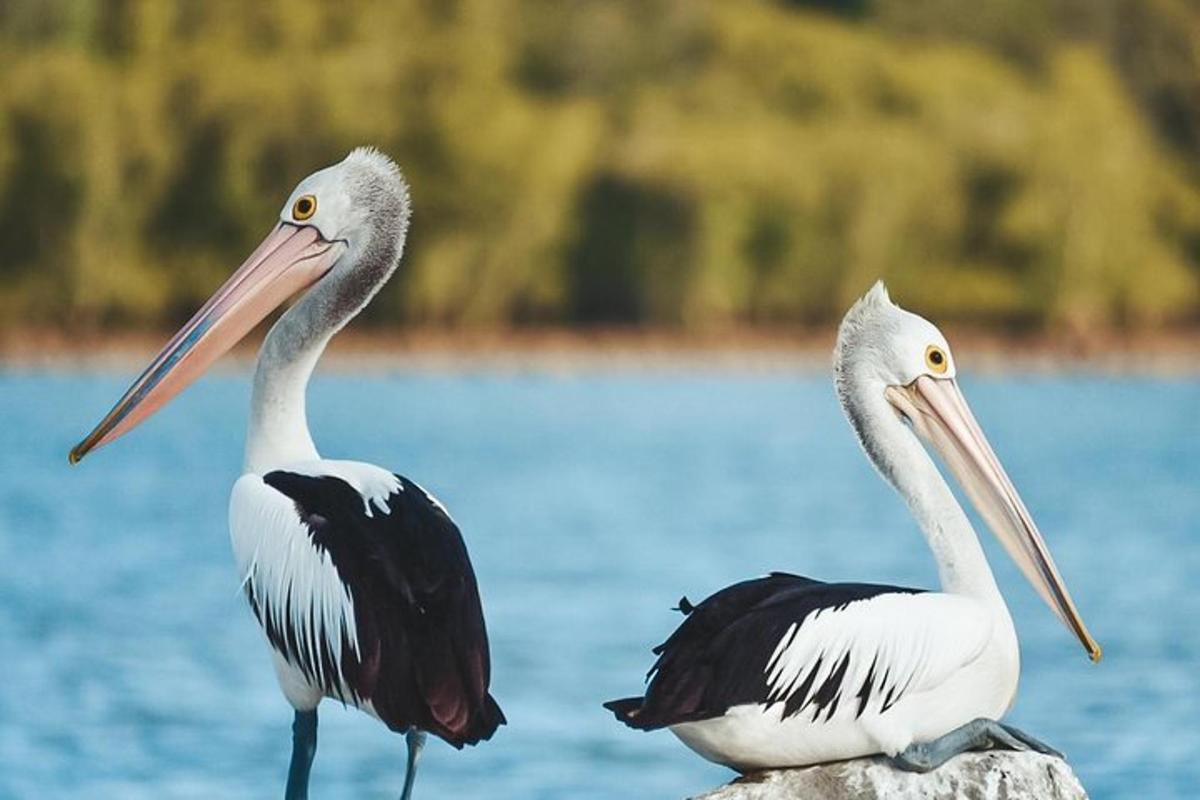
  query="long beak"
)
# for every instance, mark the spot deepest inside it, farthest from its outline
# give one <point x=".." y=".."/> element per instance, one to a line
<point x="290" y="259"/>
<point x="939" y="413"/>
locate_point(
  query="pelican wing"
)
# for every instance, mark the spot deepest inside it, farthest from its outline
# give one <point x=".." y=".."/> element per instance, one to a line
<point x="362" y="581"/>
<point x="821" y="649"/>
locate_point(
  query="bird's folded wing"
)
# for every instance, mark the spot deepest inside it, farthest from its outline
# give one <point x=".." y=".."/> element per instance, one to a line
<point x="815" y="648"/>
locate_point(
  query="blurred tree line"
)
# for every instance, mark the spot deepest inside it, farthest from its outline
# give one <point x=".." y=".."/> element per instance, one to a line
<point x="1021" y="163"/>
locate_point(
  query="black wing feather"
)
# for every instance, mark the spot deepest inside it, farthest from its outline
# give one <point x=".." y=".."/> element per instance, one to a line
<point x="717" y="657"/>
<point x="423" y="656"/>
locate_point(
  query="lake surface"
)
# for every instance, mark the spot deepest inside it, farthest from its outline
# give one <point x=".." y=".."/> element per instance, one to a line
<point x="591" y="501"/>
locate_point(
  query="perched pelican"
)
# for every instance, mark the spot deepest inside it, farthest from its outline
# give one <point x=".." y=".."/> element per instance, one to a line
<point x="358" y="577"/>
<point x="788" y="671"/>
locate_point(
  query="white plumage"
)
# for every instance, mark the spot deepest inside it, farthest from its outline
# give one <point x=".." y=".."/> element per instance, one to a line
<point x="295" y="584"/>
<point x="935" y="658"/>
<point x="911" y="642"/>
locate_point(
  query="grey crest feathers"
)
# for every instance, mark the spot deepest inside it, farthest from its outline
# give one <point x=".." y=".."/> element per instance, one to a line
<point x="867" y="325"/>
<point x="377" y="184"/>
<point x="377" y="187"/>
<point x="380" y="194"/>
<point x="861" y="342"/>
<point x="872" y="311"/>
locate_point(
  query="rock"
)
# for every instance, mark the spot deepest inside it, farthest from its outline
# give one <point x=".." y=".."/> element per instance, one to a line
<point x="994" y="775"/>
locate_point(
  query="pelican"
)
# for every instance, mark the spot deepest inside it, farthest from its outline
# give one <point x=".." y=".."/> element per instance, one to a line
<point x="358" y="577"/>
<point x="788" y="671"/>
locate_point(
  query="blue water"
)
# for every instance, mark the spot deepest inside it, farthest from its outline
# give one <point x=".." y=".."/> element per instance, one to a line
<point x="590" y="501"/>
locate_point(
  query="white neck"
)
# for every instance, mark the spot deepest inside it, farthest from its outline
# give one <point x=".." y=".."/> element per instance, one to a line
<point x="895" y="451"/>
<point x="278" y="432"/>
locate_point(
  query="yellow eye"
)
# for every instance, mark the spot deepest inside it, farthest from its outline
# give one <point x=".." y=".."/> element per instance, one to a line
<point x="304" y="207"/>
<point x="935" y="359"/>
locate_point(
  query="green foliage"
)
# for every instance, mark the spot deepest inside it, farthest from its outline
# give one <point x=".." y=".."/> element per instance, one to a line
<point x="667" y="162"/>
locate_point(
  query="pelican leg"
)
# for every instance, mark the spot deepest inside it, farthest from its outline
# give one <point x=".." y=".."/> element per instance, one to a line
<point x="416" y="742"/>
<point x="979" y="734"/>
<point x="304" y="747"/>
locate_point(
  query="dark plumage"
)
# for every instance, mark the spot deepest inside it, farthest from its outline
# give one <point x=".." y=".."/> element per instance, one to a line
<point x="717" y="657"/>
<point x="423" y="656"/>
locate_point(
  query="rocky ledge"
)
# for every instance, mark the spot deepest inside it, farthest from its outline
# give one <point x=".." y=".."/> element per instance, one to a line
<point x="994" y="775"/>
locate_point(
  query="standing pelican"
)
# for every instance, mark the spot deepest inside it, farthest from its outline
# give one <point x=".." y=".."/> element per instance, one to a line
<point x="358" y="577"/>
<point x="788" y="671"/>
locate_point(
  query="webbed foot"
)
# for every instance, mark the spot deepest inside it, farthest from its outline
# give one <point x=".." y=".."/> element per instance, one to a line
<point x="979" y="734"/>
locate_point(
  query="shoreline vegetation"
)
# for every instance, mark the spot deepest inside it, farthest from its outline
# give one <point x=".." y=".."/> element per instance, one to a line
<point x="648" y="163"/>
<point x="1174" y="353"/>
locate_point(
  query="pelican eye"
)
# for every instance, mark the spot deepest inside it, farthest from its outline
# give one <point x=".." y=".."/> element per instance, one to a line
<point x="304" y="207"/>
<point x="935" y="359"/>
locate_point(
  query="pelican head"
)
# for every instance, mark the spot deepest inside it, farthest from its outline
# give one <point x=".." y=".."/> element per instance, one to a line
<point x="339" y="237"/>
<point x="889" y="361"/>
